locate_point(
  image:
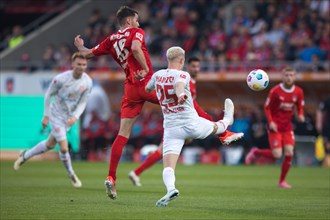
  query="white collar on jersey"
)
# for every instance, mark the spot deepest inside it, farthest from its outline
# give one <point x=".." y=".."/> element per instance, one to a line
<point x="287" y="90"/>
<point x="122" y="31"/>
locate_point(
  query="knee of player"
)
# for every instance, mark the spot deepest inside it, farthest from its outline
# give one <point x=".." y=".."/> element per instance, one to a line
<point x="277" y="154"/>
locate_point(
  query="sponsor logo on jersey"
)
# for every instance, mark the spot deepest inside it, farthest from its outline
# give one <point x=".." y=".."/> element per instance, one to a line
<point x="286" y="106"/>
<point x="81" y="88"/>
<point x="139" y="36"/>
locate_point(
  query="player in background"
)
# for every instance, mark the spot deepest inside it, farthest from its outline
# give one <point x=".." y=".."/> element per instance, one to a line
<point x="323" y="128"/>
<point x="127" y="47"/>
<point x="70" y="90"/>
<point x="181" y="120"/>
<point x="193" y="68"/>
<point x="279" y="109"/>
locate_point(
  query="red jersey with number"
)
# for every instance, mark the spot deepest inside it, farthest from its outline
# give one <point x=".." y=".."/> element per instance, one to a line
<point x="280" y="105"/>
<point x="119" y="45"/>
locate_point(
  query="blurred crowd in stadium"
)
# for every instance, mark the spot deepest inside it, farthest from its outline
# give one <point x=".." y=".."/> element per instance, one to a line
<point x="266" y="35"/>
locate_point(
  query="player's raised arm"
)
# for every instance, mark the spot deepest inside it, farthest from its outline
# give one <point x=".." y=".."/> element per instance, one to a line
<point x="79" y="43"/>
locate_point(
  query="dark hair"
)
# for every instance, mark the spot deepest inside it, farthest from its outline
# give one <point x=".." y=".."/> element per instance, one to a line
<point x="124" y="12"/>
<point x="193" y="59"/>
<point x="77" y="55"/>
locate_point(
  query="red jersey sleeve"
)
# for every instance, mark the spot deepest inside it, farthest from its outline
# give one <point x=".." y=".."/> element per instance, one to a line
<point x="300" y="102"/>
<point x="268" y="104"/>
<point x="103" y="48"/>
<point x="139" y="35"/>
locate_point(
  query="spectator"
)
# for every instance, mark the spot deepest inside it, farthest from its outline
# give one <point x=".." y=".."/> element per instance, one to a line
<point x="16" y="37"/>
<point x="25" y="64"/>
<point x="48" y="58"/>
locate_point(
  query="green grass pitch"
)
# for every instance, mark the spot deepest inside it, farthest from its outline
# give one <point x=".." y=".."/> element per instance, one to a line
<point x="41" y="190"/>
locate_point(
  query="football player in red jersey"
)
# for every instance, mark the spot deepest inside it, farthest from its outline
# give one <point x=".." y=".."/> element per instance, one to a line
<point x="193" y="68"/>
<point x="127" y="47"/>
<point x="279" y="109"/>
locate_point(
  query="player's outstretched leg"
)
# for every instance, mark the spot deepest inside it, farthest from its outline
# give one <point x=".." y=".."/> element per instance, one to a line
<point x="110" y="187"/>
<point x="227" y="136"/>
<point x="27" y="154"/>
<point x="229" y="111"/>
<point x="19" y="161"/>
<point x="167" y="198"/>
<point x="75" y="181"/>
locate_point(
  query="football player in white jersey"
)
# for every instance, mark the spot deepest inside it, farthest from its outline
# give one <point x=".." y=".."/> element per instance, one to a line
<point x="70" y="90"/>
<point x="181" y="120"/>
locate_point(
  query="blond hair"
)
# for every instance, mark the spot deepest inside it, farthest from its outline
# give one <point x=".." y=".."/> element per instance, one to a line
<point x="174" y="52"/>
<point x="288" y="69"/>
<point x="77" y="55"/>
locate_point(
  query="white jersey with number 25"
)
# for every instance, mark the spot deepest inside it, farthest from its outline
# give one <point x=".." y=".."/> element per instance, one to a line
<point x="175" y="115"/>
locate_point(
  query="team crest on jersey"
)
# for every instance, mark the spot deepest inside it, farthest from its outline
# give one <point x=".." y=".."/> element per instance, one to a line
<point x="294" y="98"/>
<point x="71" y="96"/>
<point x="140" y="36"/>
<point x="182" y="76"/>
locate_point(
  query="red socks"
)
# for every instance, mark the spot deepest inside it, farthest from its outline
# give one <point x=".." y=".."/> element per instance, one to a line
<point x="149" y="161"/>
<point x="286" y="164"/>
<point x="265" y="153"/>
<point x="116" y="151"/>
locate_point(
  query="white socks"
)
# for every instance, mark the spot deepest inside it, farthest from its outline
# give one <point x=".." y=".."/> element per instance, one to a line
<point x="66" y="160"/>
<point x="38" y="149"/>
<point x="222" y="125"/>
<point x="169" y="178"/>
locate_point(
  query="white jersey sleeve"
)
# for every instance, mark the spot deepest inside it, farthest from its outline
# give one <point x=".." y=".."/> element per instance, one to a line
<point x="182" y="77"/>
<point x="54" y="87"/>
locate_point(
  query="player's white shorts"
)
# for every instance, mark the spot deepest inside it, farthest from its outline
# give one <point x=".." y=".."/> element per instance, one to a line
<point x="175" y="137"/>
<point x="58" y="127"/>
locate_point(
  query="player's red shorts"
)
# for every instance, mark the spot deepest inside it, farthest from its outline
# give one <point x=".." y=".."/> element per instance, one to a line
<point x="280" y="139"/>
<point x="133" y="100"/>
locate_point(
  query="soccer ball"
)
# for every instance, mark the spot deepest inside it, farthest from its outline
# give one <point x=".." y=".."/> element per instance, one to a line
<point x="257" y="80"/>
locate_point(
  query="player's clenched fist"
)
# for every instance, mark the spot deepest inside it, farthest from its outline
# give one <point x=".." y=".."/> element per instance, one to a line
<point x="44" y="121"/>
<point x="71" y="121"/>
<point x="182" y="98"/>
